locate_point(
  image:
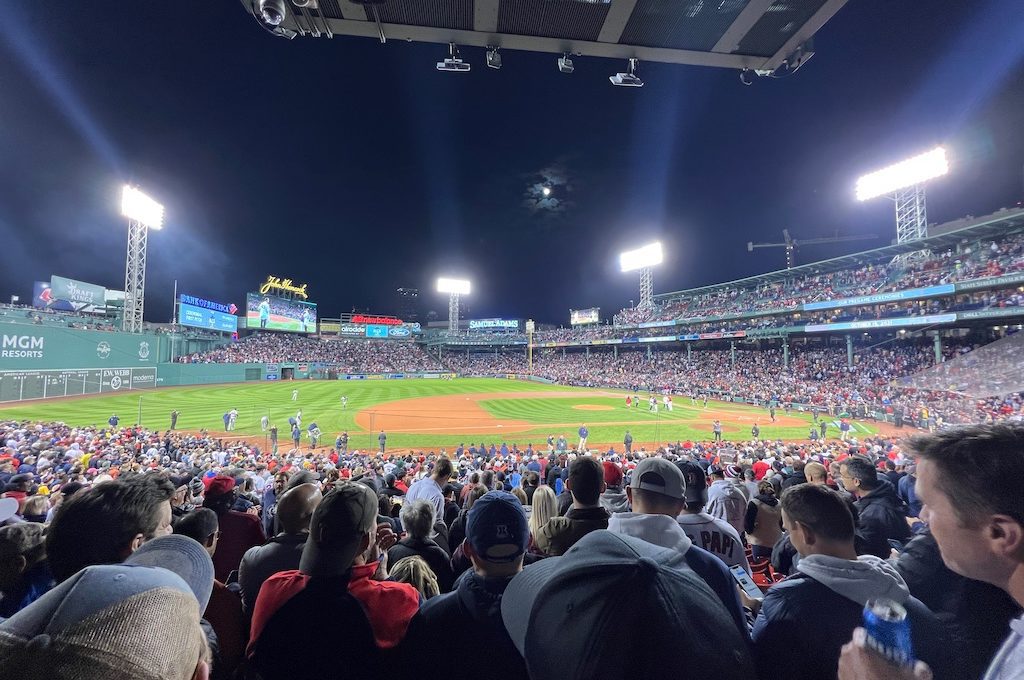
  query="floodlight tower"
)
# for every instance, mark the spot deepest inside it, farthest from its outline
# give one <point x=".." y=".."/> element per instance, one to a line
<point x="904" y="183"/>
<point x="143" y="214"/>
<point x="454" y="288"/>
<point x="643" y="259"/>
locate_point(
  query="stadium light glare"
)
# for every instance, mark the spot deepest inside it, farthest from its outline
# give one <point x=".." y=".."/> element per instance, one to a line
<point x="904" y="174"/>
<point x="453" y="286"/>
<point x="138" y="207"/>
<point x="641" y="258"/>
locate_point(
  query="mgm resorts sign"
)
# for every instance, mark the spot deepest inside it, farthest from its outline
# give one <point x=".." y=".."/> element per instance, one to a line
<point x="274" y="283"/>
<point x="21" y="347"/>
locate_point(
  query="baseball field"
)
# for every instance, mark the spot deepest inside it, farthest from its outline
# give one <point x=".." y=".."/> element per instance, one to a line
<point x="424" y="413"/>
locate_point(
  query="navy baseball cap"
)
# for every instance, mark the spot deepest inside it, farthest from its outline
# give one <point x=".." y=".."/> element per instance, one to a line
<point x="497" y="527"/>
<point x="643" y="596"/>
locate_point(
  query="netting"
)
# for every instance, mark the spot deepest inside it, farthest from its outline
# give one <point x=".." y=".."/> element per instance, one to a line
<point x="995" y="370"/>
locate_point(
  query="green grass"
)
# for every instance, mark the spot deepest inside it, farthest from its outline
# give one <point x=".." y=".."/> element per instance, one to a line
<point x="202" y="407"/>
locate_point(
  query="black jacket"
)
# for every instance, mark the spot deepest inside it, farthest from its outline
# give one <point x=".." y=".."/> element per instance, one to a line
<point x="803" y="624"/>
<point x="324" y="610"/>
<point x="974" y="614"/>
<point x="470" y="618"/>
<point x="794" y="479"/>
<point x="882" y="517"/>
<point x="435" y="557"/>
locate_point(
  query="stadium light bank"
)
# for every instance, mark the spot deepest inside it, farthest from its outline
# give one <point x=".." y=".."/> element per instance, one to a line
<point x="454" y="288"/>
<point x="143" y="214"/>
<point x="904" y="183"/>
<point x="644" y="259"/>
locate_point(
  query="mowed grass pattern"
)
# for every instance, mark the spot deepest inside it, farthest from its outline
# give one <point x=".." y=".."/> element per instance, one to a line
<point x="202" y="407"/>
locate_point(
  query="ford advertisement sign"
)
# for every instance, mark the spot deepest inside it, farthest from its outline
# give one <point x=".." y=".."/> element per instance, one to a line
<point x="400" y="332"/>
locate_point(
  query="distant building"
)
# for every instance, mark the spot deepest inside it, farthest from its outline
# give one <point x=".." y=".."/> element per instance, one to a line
<point x="408" y="304"/>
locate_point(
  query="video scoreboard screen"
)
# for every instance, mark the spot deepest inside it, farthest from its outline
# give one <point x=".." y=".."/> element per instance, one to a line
<point x="272" y="313"/>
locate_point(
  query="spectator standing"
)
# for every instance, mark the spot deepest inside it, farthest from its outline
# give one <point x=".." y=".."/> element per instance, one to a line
<point x="107" y="523"/>
<point x="710" y="533"/>
<point x="882" y="516"/>
<point x="382" y="440"/>
<point x="613" y="498"/>
<point x="418" y="520"/>
<point x="969" y="480"/>
<point x="239" y="531"/>
<point x="283" y="551"/>
<point x="725" y="501"/>
<point x="657" y="492"/>
<point x="431" y="489"/>
<point x="805" y="620"/>
<point x="496" y="540"/>
<point x="763" y="521"/>
<point x="585" y="484"/>
<point x="24" y="574"/>
<point x="627" y="441"/>
<point x="668" y="607"/>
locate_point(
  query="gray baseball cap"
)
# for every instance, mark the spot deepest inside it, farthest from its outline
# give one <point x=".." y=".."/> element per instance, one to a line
<point x="659" y="476"/>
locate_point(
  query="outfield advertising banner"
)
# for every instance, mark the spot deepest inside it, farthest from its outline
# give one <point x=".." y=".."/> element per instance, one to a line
<point x="68" y="295"/>
<point x="881" y="323"/>
<point x="494" y="325"/>
<point x="272" y="313"/>
<point x="21" y="385"/>
<point x="376" y="331"/>
<point x="78" y="292"/>
<point x="199" y="317"/>
<point x="878" y="298"/>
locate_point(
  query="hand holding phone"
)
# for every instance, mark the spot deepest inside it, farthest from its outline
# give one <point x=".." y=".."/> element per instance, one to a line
<point x="746" y="583"/>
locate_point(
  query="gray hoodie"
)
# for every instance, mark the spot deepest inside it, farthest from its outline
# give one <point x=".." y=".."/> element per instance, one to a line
<point x="866" y="578"/>
<point x="614" y="499"/>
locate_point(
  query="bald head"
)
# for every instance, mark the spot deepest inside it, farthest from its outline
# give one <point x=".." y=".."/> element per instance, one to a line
<point x="296" y="507"/>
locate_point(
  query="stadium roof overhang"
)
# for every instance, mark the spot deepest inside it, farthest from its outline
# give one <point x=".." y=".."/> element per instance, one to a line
<point x="740" y="34"/>
<point x="942" y="237"/>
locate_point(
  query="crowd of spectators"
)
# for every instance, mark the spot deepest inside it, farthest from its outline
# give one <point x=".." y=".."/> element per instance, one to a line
<point x="816" y="377"/>
<point x="972" y="260"/>
<point x="345" y="356"/>
<point x="130" y="553"/>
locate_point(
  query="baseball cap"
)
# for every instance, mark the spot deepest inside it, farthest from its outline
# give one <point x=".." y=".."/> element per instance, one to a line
<point x="8" y="508"/>
<point x="696" y="481"/>
<point x="639" y="594"/>
<point x="115" y="621"/>
<point x="715" y="470"/>
<point x="338" y="523"/>
<point x="220" y="485"/>
<point x="182" y="555"/>
<point x="612" y="474"/>
<point x="659" y="476"/>
<point x="180" y="481"/>
<point x="497" y="528"/>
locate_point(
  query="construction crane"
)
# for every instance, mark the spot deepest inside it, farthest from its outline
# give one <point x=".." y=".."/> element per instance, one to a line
<point x="791" y="244"/>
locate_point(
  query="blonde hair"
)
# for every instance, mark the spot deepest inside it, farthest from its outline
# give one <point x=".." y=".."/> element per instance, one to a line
<point x="415" y="571"/>
<point x="36" y="505"/>
<point x="520" y="494"/>
<point x="545" y="506"/>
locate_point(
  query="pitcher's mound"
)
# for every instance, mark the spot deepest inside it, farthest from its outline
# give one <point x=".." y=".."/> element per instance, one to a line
<point x="593" y="407"/>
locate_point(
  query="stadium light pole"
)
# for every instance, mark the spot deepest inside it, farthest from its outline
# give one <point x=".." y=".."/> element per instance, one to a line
<point x="644" y="259"/>
<point x="143" y="214"/>
<point x="454" y="288"/>
<point x="904" y="183"/>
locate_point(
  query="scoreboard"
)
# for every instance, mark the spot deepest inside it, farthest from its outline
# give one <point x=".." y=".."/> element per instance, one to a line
<point x="21" y="385"/>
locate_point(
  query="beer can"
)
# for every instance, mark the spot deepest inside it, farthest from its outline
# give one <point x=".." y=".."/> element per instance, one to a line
<point x="888" y="631"/>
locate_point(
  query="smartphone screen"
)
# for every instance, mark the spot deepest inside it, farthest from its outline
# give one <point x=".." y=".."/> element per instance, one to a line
<point x="748" y="585"/>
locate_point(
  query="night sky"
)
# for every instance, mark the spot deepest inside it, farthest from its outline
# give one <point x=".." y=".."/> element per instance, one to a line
<point x="358" y="168"/>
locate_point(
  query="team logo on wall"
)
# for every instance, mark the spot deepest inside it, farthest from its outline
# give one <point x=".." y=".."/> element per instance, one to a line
<point x="115" y="383"/>
<point x="103" y="349"/>
<point x="143" y="350"/>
